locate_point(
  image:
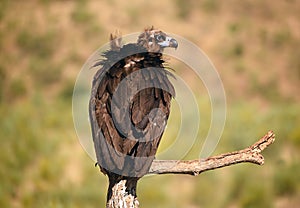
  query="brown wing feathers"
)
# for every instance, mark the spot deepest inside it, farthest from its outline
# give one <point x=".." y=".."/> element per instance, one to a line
<point x="111" y="143"/>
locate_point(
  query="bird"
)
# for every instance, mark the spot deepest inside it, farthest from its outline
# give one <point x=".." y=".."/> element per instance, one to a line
<point x="130" y="105"/>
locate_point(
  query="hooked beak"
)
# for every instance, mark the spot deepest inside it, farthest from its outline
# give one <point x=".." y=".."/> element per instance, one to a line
<point x="173" y="43"/>
<point x="169" y="42"/>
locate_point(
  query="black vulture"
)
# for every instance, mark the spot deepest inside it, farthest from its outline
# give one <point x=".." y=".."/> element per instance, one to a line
<point x="130" y="105"/>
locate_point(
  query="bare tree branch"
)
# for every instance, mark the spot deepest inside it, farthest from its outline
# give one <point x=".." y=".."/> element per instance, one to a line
<point x="195" y="167"/>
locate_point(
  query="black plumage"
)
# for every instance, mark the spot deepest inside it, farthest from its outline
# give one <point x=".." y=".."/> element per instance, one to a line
<point x="130" y="105"/>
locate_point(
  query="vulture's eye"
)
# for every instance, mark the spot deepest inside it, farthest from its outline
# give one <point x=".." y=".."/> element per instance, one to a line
<point x="159" y="37"/>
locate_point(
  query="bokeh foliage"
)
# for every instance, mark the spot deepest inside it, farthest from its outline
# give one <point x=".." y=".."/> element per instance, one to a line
<point x="43" y="44"/>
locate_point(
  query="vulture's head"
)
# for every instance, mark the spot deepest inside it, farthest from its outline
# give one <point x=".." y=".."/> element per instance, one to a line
<point x="156" y="40"/>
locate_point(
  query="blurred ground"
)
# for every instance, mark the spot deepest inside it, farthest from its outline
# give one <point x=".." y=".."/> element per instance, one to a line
<point x="254" y="46"/>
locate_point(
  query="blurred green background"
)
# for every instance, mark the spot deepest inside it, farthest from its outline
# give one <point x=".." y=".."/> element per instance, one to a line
<point x="43" y="45"/>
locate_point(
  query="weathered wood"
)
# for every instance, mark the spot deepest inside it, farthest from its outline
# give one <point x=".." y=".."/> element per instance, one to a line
<point x="121" y="199"/>
<point x="195" y="167"/>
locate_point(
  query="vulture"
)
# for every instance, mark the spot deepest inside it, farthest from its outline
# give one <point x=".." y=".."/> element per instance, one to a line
<point x="130" y="105"/>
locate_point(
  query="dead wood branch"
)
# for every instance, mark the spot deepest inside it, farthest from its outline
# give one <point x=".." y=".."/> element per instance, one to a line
<point x="251" y="154"/>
